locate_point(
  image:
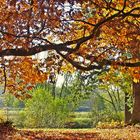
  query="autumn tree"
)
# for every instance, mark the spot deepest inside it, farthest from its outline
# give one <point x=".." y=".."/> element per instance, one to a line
<point x="90" y="34"/>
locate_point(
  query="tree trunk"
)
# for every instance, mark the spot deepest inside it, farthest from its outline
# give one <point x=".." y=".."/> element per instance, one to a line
<point x="136" y="105"/>
<point x="127" y="109"/>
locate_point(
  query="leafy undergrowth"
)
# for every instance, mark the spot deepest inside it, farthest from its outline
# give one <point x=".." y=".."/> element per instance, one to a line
<point x="129" y="133"/>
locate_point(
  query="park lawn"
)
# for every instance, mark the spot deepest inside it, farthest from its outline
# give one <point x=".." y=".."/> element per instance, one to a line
<point x="127" y="133"/>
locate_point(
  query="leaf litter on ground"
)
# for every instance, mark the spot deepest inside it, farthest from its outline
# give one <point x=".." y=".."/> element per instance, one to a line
<point x="127" y="133"/>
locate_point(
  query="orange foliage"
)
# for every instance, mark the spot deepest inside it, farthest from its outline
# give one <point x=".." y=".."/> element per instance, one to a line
<point x="88" y="34"/>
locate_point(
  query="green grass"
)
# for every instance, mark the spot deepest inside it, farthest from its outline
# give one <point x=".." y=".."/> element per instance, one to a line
<point x="81" y="119"/>
<point x="82" y="114"/>
<point x="9" y="115"/>
<point x="78" y="119"/>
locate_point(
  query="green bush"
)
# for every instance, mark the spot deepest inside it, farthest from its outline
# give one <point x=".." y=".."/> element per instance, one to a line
<point x="106" y="116"/>
<point x="19" y="119"/>
<point x="42" y="110"/>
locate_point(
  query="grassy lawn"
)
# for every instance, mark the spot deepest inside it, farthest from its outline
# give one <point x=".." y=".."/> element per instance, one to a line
<point x="78" y="119"/>
<point x="10" y="114"/>
<point x="82" y="114"/>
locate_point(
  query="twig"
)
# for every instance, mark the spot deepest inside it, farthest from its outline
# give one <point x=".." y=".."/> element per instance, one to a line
<point x="5" y="78"/>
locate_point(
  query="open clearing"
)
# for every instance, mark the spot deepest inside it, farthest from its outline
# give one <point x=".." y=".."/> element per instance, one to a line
<point x="128" y="133"/>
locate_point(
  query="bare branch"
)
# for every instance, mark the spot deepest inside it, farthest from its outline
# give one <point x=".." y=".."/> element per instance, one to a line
<point x="5" y="78"/>
<point x="79" y="20"/>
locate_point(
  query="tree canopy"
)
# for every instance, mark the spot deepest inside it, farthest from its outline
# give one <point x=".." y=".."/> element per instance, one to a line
<point x="90" y="34"/>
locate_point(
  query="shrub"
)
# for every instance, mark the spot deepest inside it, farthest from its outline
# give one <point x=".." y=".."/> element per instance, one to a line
<point x="19" y="119"/>
<point x="42" y="110"/>
<point x="106" y="116"/>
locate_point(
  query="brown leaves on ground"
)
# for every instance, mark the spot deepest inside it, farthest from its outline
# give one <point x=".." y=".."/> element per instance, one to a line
<point x="128" y="133"/>
<point x="51" y="135"/>
<point x="6" y="130"/>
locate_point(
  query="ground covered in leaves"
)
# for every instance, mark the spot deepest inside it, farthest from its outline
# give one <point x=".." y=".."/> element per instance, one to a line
<point x="127" y="133"/>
